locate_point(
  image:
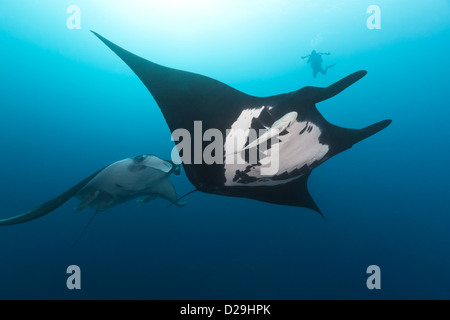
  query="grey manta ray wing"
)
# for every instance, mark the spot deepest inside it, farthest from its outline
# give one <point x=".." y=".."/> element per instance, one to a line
<point x="48" y="206"/>
<point x="185" y="97"/>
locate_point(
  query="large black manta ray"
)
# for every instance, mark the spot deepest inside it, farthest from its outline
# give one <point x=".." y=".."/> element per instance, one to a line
<point x="305" y="138"/>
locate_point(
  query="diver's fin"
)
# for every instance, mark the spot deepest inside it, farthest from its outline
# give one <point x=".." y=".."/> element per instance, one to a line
<point x="48" y="206"/>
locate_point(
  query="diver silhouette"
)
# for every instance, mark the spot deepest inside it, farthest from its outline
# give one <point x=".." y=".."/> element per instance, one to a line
<point x="315" y="58"/>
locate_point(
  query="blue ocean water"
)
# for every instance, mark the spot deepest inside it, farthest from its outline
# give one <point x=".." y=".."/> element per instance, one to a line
<point x="70" y="106"/>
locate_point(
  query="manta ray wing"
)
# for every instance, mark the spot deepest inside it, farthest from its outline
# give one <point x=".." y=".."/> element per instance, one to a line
<point x="184" y="96"/>
<point x="48" y="206"/>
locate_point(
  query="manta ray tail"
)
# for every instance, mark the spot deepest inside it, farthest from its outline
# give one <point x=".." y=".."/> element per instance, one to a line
<point x="48" y="206"/>
<point x="84" y="229"/>
<point x="176" y="202"/>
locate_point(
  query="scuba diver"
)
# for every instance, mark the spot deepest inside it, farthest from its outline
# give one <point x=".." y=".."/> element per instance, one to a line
<point x="315" y="58"/>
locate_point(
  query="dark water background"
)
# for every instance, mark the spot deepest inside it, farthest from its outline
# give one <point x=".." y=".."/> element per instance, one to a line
<point x="69" y="106"/>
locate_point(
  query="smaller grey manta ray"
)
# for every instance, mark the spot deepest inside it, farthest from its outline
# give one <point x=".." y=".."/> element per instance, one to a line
<point x="145" y="176"/>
